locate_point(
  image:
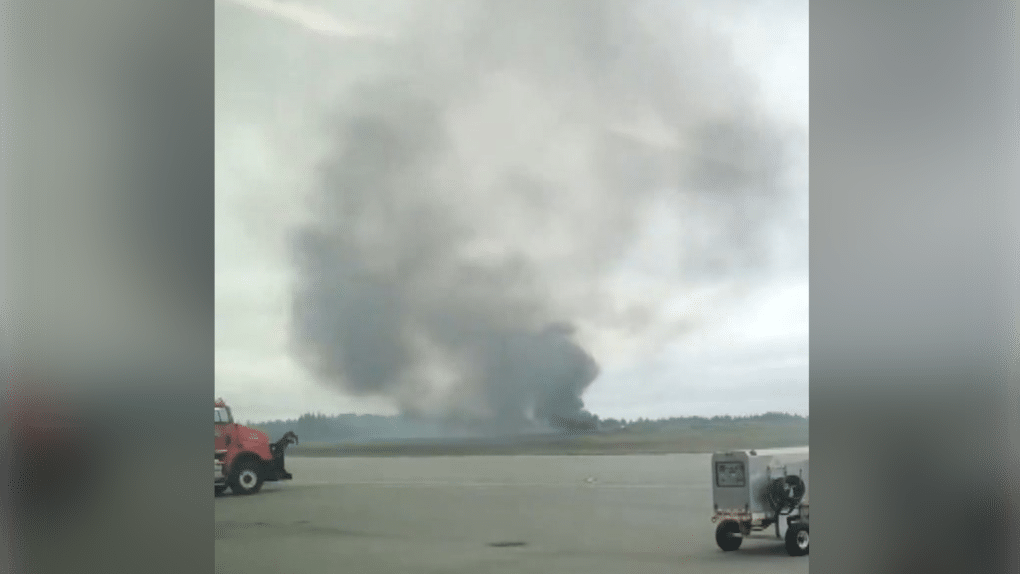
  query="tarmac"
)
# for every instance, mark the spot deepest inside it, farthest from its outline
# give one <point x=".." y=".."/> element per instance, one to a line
<point x="486" y="514"/>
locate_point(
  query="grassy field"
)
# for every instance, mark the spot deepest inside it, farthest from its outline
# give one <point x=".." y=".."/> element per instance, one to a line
<point x="751" y="435"/>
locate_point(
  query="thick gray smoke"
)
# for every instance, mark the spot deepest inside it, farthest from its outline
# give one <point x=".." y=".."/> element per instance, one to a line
<point x="484" y="187"/>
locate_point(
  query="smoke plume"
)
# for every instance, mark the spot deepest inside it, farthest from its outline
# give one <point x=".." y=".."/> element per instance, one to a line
<point x="487" y="183"/>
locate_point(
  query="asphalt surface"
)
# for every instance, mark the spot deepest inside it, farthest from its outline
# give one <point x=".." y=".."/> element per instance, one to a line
<point x="479" y="515"/>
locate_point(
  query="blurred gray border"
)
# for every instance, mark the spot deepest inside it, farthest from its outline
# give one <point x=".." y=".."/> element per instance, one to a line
<point x="109" y="250"/>
<point x="914" y="286"/>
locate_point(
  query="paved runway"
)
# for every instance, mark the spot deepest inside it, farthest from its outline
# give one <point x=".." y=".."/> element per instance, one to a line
<point x="480" y="515"/>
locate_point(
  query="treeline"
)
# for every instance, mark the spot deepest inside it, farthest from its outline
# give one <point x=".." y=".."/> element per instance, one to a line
<point x="643" y="425"/>
<point x="318" y="427"/>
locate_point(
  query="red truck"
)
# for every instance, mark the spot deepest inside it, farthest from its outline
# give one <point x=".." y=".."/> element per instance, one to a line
<point x="245" y="459"/>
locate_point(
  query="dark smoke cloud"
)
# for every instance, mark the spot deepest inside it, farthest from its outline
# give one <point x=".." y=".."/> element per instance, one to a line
<point x="478" y="196"/>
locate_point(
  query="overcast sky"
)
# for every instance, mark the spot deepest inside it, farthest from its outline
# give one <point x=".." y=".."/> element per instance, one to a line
<point x="735" y="345"/>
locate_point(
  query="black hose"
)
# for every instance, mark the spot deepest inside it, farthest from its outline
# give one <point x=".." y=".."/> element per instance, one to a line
<point x="785" y="493"/>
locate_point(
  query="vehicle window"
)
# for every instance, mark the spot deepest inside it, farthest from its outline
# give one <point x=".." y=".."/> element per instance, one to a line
<point x="222" y="416"/>
<point x="730" y="474"/>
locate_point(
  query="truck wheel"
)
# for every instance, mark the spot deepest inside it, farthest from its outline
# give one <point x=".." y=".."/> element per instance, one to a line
<point x="247" y="478"/>
<point x="797" y="540"/>
<point x="220" y="489"/>
<point x="728" y="536"/>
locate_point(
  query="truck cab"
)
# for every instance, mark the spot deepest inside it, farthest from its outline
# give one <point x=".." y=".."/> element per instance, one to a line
<point x="244" y="457"/>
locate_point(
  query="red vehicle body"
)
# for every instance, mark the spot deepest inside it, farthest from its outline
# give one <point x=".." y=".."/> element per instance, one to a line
<point x="245" y="459"/>
<point x="48" y="464"/>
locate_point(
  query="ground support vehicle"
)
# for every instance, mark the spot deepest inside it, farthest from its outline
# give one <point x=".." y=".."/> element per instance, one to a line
<point x="761" y="493"/>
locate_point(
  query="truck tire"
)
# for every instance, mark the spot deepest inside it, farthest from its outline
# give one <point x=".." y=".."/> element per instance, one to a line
<point x="246" y="478"/>
<point x="797" y="540"/>
<point x="220" y="489"/>
<point x="728" y="536"/>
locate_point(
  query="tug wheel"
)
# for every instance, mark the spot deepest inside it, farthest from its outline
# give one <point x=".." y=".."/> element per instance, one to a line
<point x="728" y="536"/>
<point x="798" y="540"/>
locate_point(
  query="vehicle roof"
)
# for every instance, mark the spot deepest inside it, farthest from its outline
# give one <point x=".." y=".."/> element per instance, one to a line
<point x="768" y="451"/>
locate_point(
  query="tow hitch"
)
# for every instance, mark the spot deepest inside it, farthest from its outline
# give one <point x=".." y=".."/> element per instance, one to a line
<point x="277" y="449"/>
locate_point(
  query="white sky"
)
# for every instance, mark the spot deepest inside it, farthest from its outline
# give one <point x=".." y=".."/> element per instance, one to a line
<point x="752" y="358"/>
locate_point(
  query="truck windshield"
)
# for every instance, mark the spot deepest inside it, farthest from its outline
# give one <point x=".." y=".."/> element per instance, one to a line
<point x="222" y="415"/>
